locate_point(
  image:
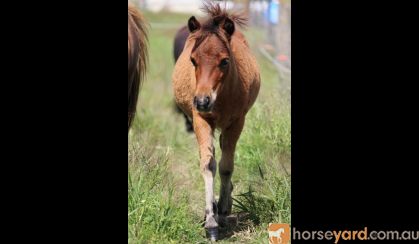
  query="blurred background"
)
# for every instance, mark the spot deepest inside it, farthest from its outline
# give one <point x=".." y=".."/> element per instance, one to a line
<point x="271" y="16"/>
<point x="165" y="187"/>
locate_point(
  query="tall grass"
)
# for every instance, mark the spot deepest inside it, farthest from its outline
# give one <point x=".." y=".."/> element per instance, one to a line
<point x="156" y="212"/>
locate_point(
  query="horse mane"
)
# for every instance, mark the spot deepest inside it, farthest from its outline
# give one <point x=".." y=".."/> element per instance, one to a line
<point x="137" y="58"/>
<point x="211" y="25"/>
<point x="214" y="10"/>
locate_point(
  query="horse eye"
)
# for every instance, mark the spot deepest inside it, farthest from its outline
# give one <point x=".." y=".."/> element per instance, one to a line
<point x="194" y="62"/>
<point x="224" y="62"/>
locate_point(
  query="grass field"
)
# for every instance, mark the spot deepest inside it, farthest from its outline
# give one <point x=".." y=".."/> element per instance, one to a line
<point x="165" y="188"/>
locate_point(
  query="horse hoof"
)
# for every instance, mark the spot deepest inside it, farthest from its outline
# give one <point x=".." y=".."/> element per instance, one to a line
<point x="213" y="233"/>
<point x="222" y="220"/>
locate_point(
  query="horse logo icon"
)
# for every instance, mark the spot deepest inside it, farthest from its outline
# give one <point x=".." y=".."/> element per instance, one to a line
<point x="279" y="233"/>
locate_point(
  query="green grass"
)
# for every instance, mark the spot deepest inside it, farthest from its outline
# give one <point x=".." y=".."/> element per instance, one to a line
<point x="165" y="188"/>
<point x="156" y="213"/>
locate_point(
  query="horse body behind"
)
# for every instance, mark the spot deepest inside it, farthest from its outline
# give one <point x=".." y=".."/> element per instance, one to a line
<point x="137" y="57"/>
<point x="216" y="81"/>
<point x="179" y="43"/>
<point x="180" y="39"/>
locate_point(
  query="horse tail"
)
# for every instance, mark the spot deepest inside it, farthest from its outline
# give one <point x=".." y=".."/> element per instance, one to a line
<point x="137" y="57"/>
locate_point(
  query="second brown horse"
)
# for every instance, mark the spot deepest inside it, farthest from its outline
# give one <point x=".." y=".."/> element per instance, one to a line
<point x="137" y="57"/>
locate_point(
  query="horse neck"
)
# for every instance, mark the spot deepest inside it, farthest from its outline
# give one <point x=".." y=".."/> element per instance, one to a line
<point x="233" y="85"/>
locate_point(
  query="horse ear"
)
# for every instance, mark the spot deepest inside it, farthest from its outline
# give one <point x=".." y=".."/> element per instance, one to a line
<point x="193" y="24"/>
<point x="228" y="26"/>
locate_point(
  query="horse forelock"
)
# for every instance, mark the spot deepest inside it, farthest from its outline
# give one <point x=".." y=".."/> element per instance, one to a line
<point x="201" y="36"/>
<point x="212" y="25"/>
<point x="215" y="11"/>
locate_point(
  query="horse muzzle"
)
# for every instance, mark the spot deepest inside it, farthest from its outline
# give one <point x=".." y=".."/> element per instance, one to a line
<point x="203" y="104"/>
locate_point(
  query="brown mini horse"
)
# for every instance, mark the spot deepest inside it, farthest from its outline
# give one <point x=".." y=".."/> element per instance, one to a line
<point x="137" y="58"/>
<point x="216" y="81"/>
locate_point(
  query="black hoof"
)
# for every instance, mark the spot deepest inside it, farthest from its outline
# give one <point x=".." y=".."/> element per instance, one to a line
<point x="222" y="220"/>
<point x="212" y="233"/>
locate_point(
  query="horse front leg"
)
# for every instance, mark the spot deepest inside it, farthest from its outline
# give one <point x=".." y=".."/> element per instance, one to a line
<point x="228" y="141"/>
<point x="204" y="134"/>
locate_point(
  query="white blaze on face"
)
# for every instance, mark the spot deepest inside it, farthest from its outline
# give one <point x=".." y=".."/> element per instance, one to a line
<point x="213" y="96"/>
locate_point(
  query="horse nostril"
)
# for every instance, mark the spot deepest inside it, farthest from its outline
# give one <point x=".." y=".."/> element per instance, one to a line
<point x="202" y="102"/>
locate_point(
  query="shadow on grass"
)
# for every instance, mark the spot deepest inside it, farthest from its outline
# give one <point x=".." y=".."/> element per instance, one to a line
<point x="271" y="203"/>
<point x="237" y="222"/>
